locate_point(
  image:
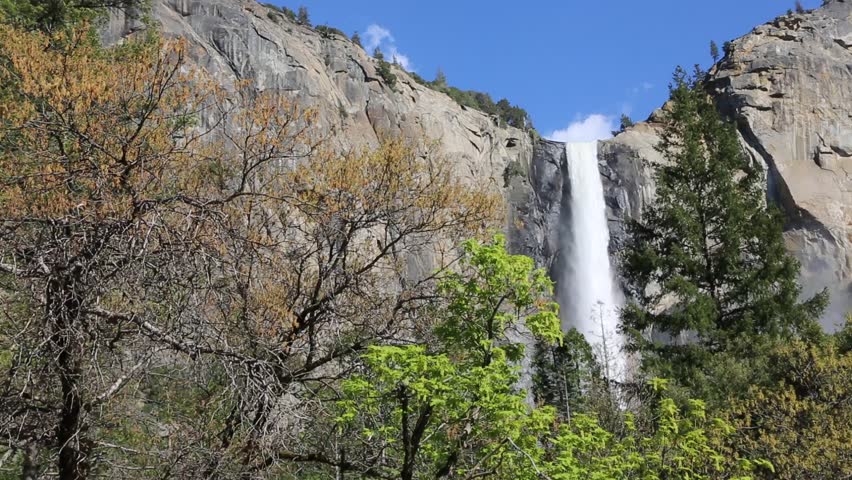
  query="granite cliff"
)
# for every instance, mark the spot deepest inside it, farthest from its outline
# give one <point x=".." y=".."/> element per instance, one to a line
<point x="244" y="40"/>
<point x="788" y="85"/>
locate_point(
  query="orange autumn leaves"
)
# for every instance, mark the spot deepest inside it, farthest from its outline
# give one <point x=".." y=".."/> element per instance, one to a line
<point x="89" y="127"/>
<point x="135" y="136"/>
<point x="109" y="130"/>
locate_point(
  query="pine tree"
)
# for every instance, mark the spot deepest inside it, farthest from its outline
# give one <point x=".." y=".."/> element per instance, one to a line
<point x="302" y="17"/>
<point x="624" y="123"/>
<point x="712" y="283"/>
<point x="440" y="79"/>
<point x="356" y="39"/>
<point x="384" y="69"/>
<point x="799" y="7"/>
<point x="714" y="51"/>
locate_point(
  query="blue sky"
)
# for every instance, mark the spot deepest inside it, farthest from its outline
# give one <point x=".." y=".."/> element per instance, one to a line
<point x="574" y="65"/>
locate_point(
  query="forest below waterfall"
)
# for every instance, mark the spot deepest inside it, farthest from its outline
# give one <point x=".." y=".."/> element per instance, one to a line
<point x="195" y="284"/>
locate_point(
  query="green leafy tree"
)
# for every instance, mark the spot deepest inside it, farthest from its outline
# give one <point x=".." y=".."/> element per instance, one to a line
<point x="451" y="407"/>
<point x="329" y="32"/>
<point x="712" y="283"/>
<point x="685" y="444"/>
<point x="448" y="408"/>
<point x="714" y="51"/>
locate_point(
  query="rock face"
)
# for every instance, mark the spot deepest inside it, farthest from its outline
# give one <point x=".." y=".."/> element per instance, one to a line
<point x="625" y="163"/>
<point x="241" y="39"/>
<point x="788" y="85"/>
<point x="537" y="206"/>
<point x="237" y="40"/>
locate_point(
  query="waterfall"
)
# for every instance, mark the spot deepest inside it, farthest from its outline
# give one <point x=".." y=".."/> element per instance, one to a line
<point x="588" y="292"/>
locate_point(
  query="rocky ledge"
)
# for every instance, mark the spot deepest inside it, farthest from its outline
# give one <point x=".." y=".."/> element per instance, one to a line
<point x="788" y="85"/>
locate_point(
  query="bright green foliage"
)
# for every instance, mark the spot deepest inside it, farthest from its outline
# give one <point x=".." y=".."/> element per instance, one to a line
<point x="452" y="406"/>
<point x="685" y="445"/>
<point x="432" y="414"/>
<point x="493" y="294"/>
<point x="727" y="287"/>
<point x="802" y="423"/>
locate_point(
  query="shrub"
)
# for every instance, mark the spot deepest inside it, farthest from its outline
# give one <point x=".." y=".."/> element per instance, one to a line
<point x="275" y="10"/>
<point x="329" y="32"/>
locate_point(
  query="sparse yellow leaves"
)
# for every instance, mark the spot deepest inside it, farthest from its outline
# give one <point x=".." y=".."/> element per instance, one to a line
<point x="398" y="179"/>
<point x="92" y="128"/>
<point x="209" y="224"/>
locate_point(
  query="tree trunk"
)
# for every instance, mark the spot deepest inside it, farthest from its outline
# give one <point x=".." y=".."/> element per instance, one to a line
<point x="29" y="467"/>
<point x="63" y="310"/>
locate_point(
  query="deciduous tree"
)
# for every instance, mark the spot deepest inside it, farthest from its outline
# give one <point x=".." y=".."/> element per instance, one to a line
<point x="176" y="259"/>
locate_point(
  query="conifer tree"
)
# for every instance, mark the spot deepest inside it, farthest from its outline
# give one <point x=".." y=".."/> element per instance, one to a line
<point x="440" y="79"/>
<point x="624" y="123"/>
<point x="302" y="16"/>
<point x="712" y="283"/>
<point x="356" y="39"/>
<point x="53" y="15"/>
<point x="714" y="51"/>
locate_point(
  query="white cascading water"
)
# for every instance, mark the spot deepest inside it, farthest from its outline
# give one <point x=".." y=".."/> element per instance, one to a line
<point x="590" y="297"/>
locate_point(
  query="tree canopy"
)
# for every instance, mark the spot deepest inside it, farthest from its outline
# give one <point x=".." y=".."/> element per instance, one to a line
<point x="712" y="283"/>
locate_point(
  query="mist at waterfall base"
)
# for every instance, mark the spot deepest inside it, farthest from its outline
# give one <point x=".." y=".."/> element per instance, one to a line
<point x="588" y="292"/>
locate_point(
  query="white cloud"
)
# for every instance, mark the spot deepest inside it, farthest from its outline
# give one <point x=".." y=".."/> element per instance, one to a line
<point x="377" y="36"/>
<point x="593" y="127"/>
<point x="395" y="56"/>
<point x="647" y="85"/>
